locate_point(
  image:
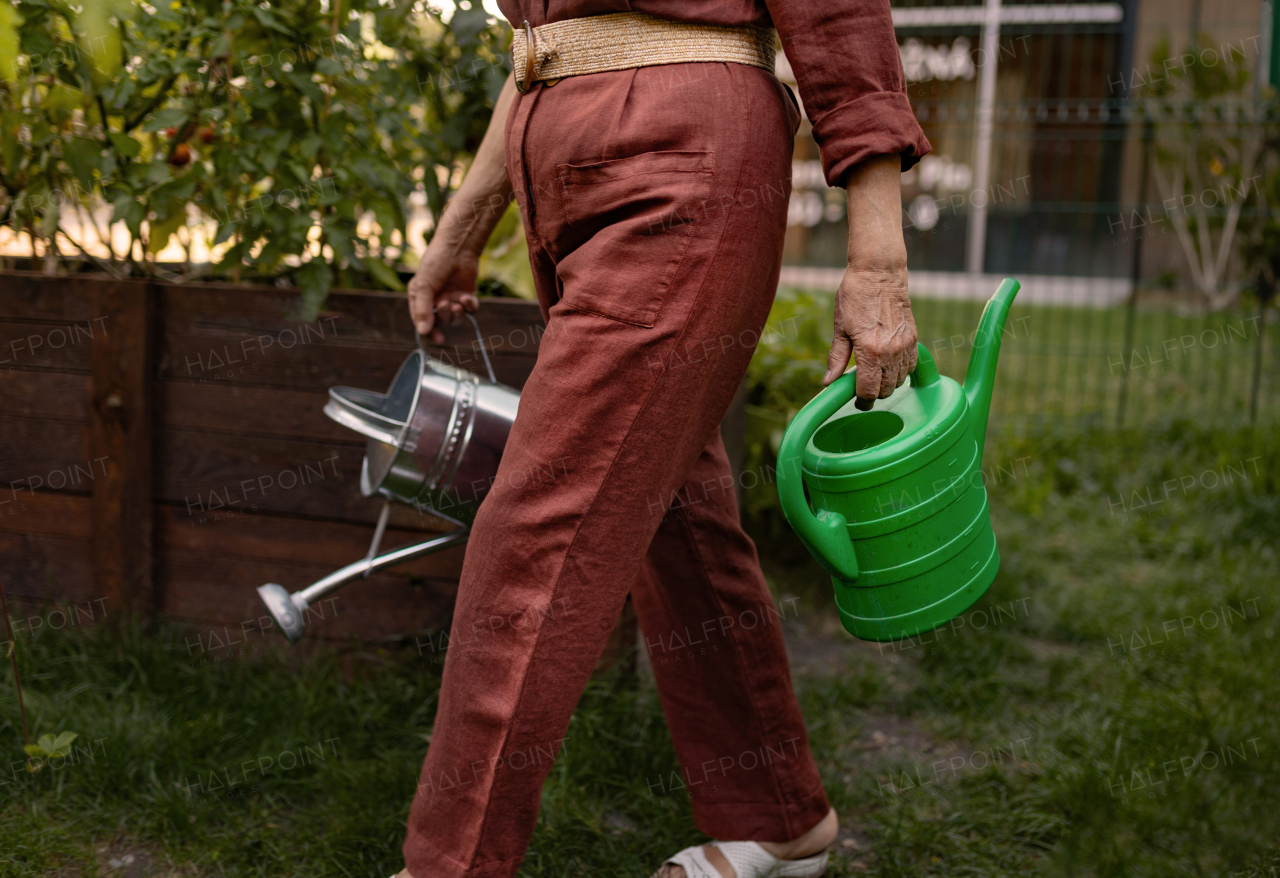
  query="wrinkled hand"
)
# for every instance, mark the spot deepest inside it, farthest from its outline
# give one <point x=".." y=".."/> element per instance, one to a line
<point x="443" y="287"/>
<point x="873" y="321"/>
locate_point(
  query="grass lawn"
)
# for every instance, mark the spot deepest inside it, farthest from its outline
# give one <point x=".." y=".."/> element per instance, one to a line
<point x="1109" y="708"/>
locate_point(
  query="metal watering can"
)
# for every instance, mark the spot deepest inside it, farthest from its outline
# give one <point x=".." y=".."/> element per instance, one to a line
<point x="891" y="501"/>
<point x="435" y="439"/>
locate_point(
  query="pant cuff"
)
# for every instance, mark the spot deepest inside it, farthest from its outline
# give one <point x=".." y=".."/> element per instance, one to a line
<point x="761" y="821"/>
<point x="423" y="861"/>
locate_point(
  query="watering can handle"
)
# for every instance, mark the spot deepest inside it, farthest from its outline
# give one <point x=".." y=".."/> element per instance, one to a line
<point x="826" y="534"/>
<point x="924" y="374"/>
<point x="484" y="352"/>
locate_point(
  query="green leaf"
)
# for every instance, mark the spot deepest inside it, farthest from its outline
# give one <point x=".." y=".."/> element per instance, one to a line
<point x="467" y="24"/>
<point x="302" y="82"/>
<point x="383" y="274"/>
<point x="58" y="746"/>
<point x="10" y="21"/>
<point x="330" y="67"/>
<point x="309" y="146"/>
<point x="314" y="279"/>
<point x="268" y="20"/>
<point x="156" y="171"/>
<point x="262" y="98"/>
<point x="126" y="145"/>
<point x="339" y="239"/>
<point x="162" y="229"/>
<point x="170" y="118"/>
<point x="179" y="189"/>
<point x="49" y="222"/>
<point x="99" y="36"/>
<point x="10" y="147"/>
<point x="83" y="156"/>
<point x="128" y="210"/>
<point x="61" y="100"/>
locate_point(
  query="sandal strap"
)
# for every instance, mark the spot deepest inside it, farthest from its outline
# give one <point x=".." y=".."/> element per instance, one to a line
<point x="749" y="860"/>
<point x="694" y="862"/>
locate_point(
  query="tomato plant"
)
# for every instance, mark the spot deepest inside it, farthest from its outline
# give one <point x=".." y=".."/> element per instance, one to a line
<point x="300" y="131"/>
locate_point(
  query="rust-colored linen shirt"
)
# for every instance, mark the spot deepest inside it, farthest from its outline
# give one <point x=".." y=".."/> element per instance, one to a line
<point x="843" y="52"/>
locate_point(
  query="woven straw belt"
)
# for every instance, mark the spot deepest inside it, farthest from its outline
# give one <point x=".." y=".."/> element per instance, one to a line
<point x="623" y="40"/>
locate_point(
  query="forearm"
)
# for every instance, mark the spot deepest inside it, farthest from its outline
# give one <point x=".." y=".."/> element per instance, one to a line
<point x="481" y="200"/>
<point x="875" y="215"/>
<point x="873" y="319"/>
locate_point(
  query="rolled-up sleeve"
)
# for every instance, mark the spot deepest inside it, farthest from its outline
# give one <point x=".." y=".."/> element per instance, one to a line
<point x="845" y="58"/>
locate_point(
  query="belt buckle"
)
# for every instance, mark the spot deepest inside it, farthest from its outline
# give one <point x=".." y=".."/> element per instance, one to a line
<point x="530" y="45"/>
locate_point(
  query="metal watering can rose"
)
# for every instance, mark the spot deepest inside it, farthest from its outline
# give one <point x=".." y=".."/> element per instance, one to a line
<point x="435" y="440"/>
<point x="891" y="501"/>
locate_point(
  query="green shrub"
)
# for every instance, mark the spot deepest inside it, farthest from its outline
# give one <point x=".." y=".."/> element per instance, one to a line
<point x="300" y="129"/>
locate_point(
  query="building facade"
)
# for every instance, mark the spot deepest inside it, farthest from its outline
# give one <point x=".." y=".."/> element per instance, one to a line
<point x="1037" y="113"/>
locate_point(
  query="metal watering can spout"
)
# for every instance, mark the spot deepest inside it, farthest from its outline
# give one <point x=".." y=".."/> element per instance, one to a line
<point x="981" y="375"/>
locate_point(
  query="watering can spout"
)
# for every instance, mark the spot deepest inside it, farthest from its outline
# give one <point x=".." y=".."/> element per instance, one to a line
<point x="981" y="375"/>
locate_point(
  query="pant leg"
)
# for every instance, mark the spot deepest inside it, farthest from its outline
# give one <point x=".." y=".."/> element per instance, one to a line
<point x="714" y="639"/>
<point x="655" y="211"/>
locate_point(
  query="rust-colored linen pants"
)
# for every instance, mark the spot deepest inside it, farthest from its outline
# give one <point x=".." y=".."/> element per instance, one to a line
<point x="654" y="203"/>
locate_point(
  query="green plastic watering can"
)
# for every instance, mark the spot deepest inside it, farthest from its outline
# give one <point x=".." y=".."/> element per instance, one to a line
<point x="892" y="501"/>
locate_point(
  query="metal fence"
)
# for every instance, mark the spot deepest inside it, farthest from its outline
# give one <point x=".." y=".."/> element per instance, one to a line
<point x="1117" y="159"/>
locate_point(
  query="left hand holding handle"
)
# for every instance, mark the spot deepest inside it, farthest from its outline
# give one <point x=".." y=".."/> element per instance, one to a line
<point x="873" y="320"/>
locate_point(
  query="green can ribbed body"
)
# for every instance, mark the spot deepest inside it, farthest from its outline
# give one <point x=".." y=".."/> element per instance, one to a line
<point x="919" y="523"/>
<point x="892" y="501"/>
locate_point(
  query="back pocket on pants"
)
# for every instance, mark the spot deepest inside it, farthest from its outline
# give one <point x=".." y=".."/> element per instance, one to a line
<point x="631" y="220"/>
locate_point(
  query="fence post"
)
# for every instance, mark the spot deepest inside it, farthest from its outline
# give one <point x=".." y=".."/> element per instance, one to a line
<point x="1265" y="292"/>
<point x="1135" y="270"/>
<point x="121" y="414"/>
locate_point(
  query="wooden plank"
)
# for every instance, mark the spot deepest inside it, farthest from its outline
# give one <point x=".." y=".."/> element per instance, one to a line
<point x="120" y="431"/>
<point x="29" y="295"/>
<point x="317" y="364"/>
<point x="250" y="410"/>
<point x="276" y="538"/>
<point x="56" y="395"/>
<point x="205" y="473"/>
<point x="47" y="569"/>
<point x="229" y="620"/>
<point x="40" y="344"/>
<point x="47" y="513"/>
<point x="222" y="590"/>
<point x="43" y="452"/>
<point x="355" y="315"/>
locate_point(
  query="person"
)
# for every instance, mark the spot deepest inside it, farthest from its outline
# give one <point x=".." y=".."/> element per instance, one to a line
<point x="654" y="201"/>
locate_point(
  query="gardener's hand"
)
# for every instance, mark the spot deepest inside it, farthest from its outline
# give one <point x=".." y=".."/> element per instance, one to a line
<point x="873" y="319"/>
<point x="443" y="287"/>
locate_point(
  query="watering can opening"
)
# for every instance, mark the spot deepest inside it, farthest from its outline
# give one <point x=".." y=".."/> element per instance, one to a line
<point x="857" y="432"/>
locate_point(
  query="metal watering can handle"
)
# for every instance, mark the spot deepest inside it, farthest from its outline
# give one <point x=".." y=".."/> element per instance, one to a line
<point x="484" y="352"/>
<point x="826" y="534"/>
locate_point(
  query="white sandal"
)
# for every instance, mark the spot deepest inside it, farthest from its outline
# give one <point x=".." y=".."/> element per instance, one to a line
<point x="748" y="860"/>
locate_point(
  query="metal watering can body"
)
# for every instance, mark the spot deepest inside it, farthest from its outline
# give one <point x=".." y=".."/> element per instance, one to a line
<point x="892" y="501"/>
<point x="435" y="439"/>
